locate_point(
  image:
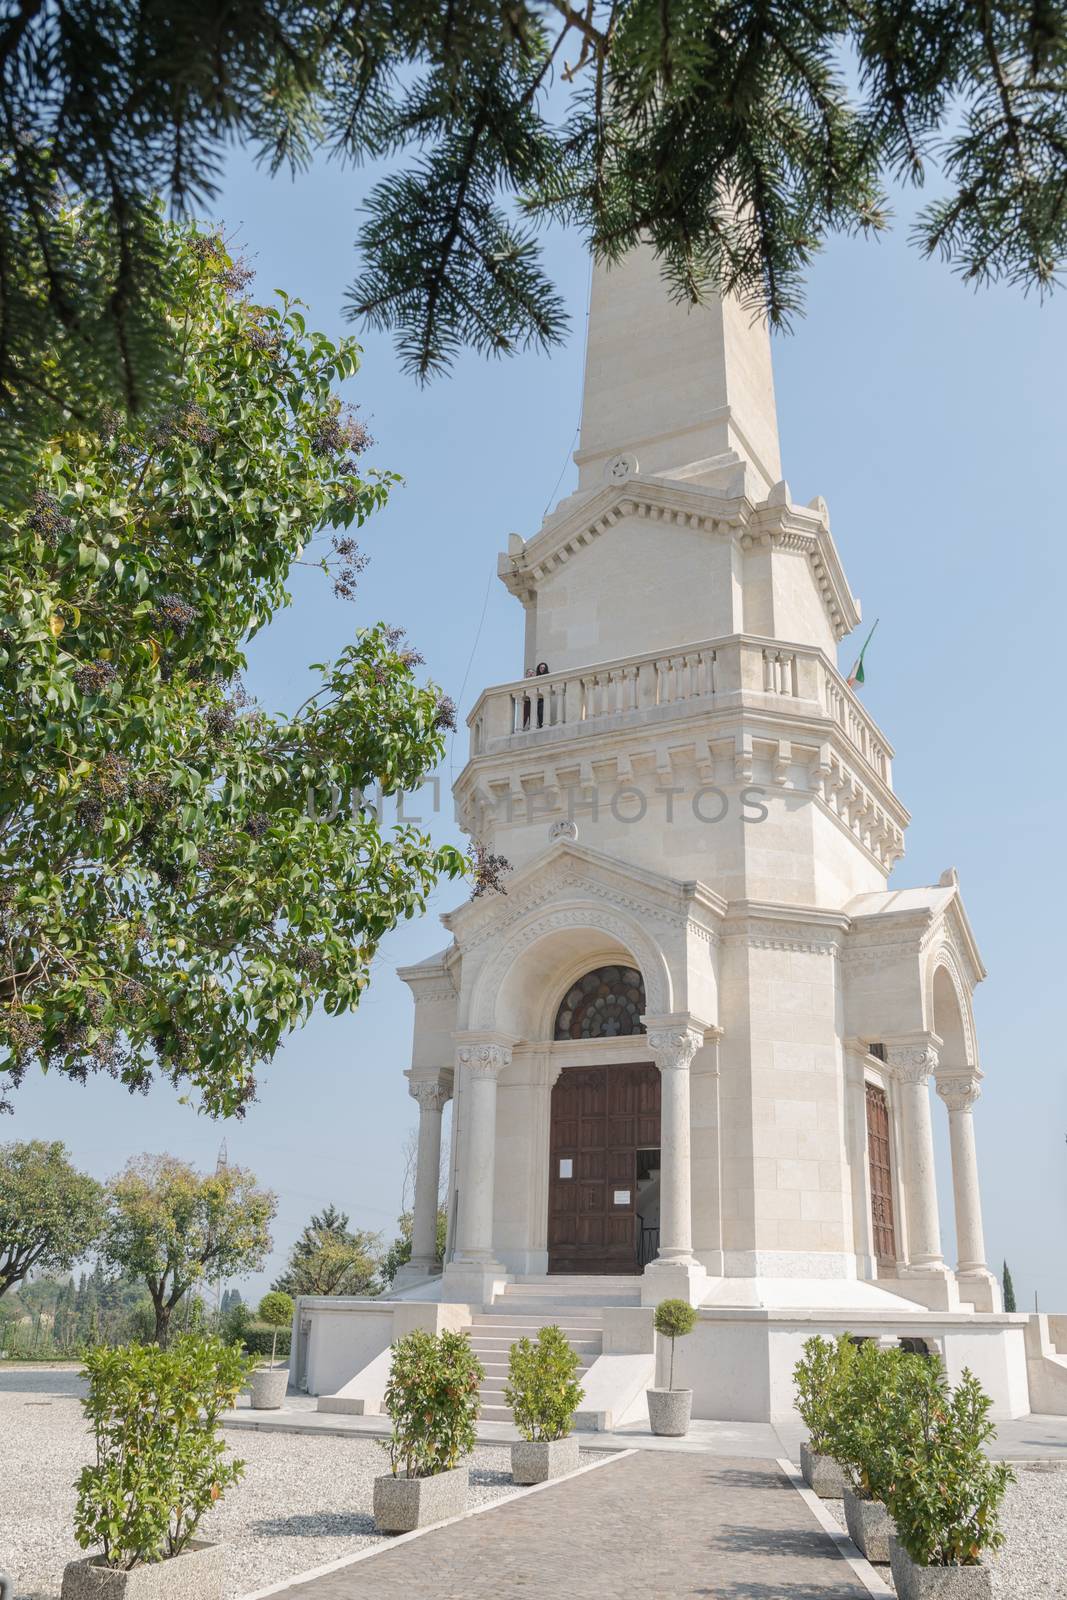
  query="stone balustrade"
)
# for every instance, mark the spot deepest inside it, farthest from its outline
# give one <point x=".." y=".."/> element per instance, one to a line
<point x="714" y="673"/>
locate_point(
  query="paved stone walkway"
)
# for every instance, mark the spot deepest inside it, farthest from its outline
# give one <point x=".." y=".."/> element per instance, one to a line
<point x="652" y="1526"/>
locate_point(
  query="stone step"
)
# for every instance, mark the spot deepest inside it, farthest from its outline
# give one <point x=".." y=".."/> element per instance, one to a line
<point x="519" y="1326"/>
<point x="505" y="1340"/>
<point x="497" y="1414"/>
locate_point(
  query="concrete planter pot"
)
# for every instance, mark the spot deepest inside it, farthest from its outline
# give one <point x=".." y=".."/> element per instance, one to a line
<point x="197" y="1574"/>
<point x="869" y="1526"/>
<point x="937" y="1583"/>
<point x="401" y="1504"/>
<point x="669" y="1411"/>
<point x="822" y="1474"/>
<point x="538" y="1460"/>
<point x="268" y="1388"/>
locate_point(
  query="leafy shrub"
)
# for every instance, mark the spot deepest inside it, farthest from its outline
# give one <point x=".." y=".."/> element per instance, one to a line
<point x="159" y="1456"/>
<point x="432" y="1398"/>
<point x="674" y="1319"/>
<point x="259" y="1340"/>
<point x="867" y="1423"/>
<point x="542" y="1387"/>
<point x="821" y="1379"/>
<point x="276" y="1310"/>
<point x="945" y="1493"/>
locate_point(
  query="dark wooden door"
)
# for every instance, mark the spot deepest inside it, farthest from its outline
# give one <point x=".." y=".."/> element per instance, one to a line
<point x="601" y="1117"/>
<point x="885" y="1233"/>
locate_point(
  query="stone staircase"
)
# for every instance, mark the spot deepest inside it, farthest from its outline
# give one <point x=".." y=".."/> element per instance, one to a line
<point x="493" y="1333"/>
<point x="526" y="1306"/>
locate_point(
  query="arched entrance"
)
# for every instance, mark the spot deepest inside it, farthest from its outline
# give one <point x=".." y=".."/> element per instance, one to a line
<point x="603" y="1190"/>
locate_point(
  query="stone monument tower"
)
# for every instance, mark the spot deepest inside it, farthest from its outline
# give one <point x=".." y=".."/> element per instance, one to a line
<point x="690" y="794"/>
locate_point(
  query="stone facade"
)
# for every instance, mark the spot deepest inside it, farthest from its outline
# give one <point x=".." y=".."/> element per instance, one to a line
<point x="692" y="790"/>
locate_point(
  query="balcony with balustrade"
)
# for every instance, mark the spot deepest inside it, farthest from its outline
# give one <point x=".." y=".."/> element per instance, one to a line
<point x="716" y="675"/>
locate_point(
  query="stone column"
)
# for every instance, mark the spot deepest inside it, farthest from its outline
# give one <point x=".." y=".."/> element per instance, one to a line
<point x="912" y="1066"/>
<point x="674" y="1041"/>
<point x="959" y="1092"/>
<point x="431" y="1095"/>
<point x="470" y="1273"/>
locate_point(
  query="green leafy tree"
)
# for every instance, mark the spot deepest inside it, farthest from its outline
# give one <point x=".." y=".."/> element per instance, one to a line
<point x="1009" y="1290"/>
<point x="50" y="1214"/>
<point x="399" y="1252"/>
<point x="276" y="1310"/>
<point x="183" y="876"/>
<point x="733" y="137"/>
<point x="674" y="1320"/>
<point x="161" y="1460"/>
<point x="330" y="1258"/>
<point x="175" y="1228"/>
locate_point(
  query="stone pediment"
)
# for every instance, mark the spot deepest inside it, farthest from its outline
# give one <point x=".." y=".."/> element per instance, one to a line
<point x="567" y="871"/>
<point x="668" y="502"/>
<point x="916" y="918"/>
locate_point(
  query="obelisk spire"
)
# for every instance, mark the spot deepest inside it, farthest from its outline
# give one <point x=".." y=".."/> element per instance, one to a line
<point x="687" y="392"/>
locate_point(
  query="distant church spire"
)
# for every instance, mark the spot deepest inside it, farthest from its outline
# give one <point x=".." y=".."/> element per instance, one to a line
<point x="688" y="393"/>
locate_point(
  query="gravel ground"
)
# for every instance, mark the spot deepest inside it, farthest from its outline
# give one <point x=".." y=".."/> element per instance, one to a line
<point x="304" y="1499"/>
<point x="1032" y="1564"/>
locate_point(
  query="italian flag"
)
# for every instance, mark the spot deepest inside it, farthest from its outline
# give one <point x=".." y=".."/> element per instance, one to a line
<point x="857" y="674"/>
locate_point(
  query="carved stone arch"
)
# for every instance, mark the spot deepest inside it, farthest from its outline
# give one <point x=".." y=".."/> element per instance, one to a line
<point x="944" y="959"/>
<point x="601" y="922"/>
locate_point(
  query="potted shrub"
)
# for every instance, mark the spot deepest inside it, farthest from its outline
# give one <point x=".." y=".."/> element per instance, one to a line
<point x="160" y="1464"/>
<point x="670" y="1409"/>
<point x="946" y="1493"/>
<point x="270" y="1383"/>
<point x="821" y="1378"/>
<point x="432" y="1399"/>
<point x="543" y="1392"/>
<point x="865" y="1427"/>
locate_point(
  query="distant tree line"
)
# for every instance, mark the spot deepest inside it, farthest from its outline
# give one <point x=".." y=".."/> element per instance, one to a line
<point x="164" y="1239"/>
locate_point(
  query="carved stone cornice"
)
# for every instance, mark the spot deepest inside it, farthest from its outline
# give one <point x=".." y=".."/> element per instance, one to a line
<point x="432" y="1094"/>
<point x="913" y="1062"/>
<point x="959" y="1092"/>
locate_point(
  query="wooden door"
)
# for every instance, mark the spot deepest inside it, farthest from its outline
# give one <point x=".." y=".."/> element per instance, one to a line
<point x="601" y="1117"/>
<point x="885" y="1233"/>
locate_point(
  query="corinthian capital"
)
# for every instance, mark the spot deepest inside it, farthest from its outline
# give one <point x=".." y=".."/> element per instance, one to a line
<point x="431" y="1093"/>
<point x="483" y="1058"/>
<point x="960" y="1092"/>
<point x="911" y="1063"/>
<point x="674" y="1041"/>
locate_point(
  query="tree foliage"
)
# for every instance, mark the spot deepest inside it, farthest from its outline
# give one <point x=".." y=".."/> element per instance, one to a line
<point x="182" y="875"/>
<point x="329" y="1258"/>
<point x="1009" y="1289"/>
<point x="734" y="136"/>
<point x="175" y="1228"/>
<point x="399" y="1252"/>
<point x="50" y="1213"/>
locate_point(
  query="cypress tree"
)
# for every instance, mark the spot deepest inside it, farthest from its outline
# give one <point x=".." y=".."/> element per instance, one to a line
<point x="1009" y="1289"/>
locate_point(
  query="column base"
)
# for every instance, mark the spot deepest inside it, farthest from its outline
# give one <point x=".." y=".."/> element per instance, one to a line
<point x="673" y="1280"/>
<point x="416" y="1272"/>
<point x="473" y="1283"/>
<point x="978" y="1287"/>
<point x="932" y="1285"/>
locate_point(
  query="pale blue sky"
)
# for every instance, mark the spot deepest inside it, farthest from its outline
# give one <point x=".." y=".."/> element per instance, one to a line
<point x="932" y="421"/>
